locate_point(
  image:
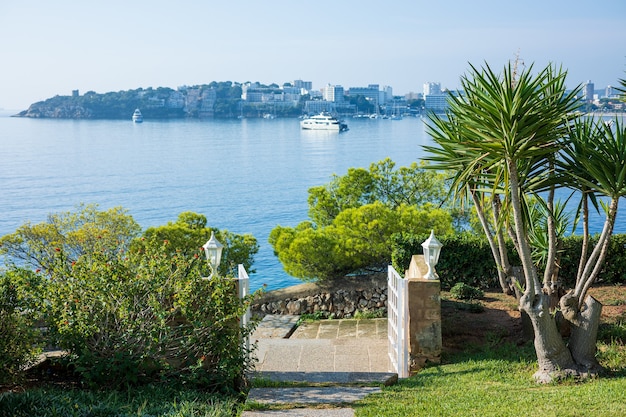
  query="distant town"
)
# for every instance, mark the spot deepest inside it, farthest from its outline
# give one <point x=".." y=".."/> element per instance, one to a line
<point x="253" y="99"/>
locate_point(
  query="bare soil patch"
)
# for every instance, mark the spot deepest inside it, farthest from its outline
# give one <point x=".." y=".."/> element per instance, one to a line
<point x="464" y="326"/>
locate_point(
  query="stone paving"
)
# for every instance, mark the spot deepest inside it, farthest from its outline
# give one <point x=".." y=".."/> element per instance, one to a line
<point x="334" y="357"/>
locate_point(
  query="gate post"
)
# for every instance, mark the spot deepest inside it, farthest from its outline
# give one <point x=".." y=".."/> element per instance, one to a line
<point x="424" y="305"/>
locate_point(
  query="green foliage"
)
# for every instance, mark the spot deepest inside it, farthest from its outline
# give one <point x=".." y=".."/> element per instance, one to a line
<point x="149" y="401"/>
<point x="413" y="185"/>
<point x="311" y="317"/>
<point x="612" y="272"/>
<point x="18" y="336"/>
<point x="464" y="258"/>
<point x="462" y="291"/>
<point x="357" y="238"/>
<point x="133" y="317"/>
<point x="354" y="216"/>
<point x="83" y="231"/>
<point x="374" y="314"/>
<point x="189" y="232"/>
<point x="467" y="258"/>
<point x="129" y="310"/>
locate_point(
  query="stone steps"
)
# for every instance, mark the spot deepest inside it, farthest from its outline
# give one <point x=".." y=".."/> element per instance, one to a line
<point x="320" y="368"/>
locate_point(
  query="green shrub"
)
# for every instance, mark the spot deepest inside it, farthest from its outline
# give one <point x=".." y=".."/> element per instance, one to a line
<point x="462" y="291"/>
<point x="467" y="258"/>
<point x="130" y="318"/>
<point x="464" y="258"/>
<point x="614" y="269"/>
<point x="18" y="336"/>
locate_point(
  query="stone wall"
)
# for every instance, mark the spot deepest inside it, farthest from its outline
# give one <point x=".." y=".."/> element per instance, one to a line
<point x="342" y="299"/>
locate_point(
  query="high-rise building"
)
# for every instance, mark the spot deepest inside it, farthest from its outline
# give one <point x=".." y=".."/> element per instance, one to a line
<point x="370" y="93"/>
<point x="333" y="93"/>
<point x="609" y="91"/>
<point x="303" y="85"/>
<point x="431" y="88"/>
<point x="588" y="91"/>
<point x="434" y="98"/>
<point x="386" y="94"/>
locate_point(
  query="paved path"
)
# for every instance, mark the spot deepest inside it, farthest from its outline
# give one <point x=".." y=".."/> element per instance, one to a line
<point x="335" y="358"/>
<point x="328" y="346"/>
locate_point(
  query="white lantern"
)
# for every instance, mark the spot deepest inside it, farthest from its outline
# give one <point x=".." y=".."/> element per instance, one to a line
<point x="213" y="251"/>
<point x="432" y="249"/>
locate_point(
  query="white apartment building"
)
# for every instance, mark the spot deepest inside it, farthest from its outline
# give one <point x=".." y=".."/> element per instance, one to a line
<point x="333" y="93"/>
<point x="432" y="88"/>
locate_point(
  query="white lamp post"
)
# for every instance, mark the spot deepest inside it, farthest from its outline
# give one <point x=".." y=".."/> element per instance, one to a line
<point x="432" y="249"/>
<point x="213" y="251"/>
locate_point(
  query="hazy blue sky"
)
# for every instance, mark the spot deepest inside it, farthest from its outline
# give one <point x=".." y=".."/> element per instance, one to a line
<point x="52" y="47"/>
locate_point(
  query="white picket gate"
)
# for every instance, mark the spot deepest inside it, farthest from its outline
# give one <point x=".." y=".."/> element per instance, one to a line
<point x="244" y="290"/>
<point x="398" y="323"/>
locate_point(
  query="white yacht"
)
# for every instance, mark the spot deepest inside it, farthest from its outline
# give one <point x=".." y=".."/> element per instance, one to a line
<point x="137" y="116"/>
<point x="323" y="121"/>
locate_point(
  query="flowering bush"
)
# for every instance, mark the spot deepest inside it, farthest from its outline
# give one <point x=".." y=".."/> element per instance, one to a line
<point x="129" y="318"/>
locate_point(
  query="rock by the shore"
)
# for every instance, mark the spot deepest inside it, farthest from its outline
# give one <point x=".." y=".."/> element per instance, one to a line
<point x="340" y="299"/>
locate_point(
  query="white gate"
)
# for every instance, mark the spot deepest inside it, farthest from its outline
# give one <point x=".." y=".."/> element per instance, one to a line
<point x="244" y="289"/>
<point x="397" y="322"/>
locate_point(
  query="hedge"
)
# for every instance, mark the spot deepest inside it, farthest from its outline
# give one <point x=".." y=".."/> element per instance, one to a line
<point x="467" y="258"/>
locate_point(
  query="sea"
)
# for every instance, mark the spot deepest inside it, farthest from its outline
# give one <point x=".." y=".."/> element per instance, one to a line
<point x="244" y="175"/>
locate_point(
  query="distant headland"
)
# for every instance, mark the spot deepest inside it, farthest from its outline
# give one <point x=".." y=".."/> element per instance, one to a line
<point x="212" y="100"/>
<point x="222" y="100"/>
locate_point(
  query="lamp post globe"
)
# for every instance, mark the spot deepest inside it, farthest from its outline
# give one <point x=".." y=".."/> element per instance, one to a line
<point x="432" y="249"/>
<point x="213" y="251"/>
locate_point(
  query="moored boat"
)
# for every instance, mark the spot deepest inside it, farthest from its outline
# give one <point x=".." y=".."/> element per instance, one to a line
<point x="323" y="121"/>
<point x="137" y="116"/>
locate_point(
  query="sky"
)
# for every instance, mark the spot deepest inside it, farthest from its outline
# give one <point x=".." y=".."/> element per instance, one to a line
<point x="53" y="47"/>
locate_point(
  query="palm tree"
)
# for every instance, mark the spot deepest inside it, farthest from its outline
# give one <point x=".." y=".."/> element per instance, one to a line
<point x="510" y="137"/>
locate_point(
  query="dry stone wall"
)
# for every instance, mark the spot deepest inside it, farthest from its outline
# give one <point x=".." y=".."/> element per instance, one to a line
<point x="342" y="299"/>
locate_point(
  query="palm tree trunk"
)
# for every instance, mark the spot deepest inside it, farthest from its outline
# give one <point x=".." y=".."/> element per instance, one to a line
<point x="553" y="357"/>
<point x="496" y="249"/>
<point x="582" y="341"/>
<point x="596" y="259"/>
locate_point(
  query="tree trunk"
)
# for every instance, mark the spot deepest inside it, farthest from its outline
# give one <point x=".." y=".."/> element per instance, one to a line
<point x="584" y="333"/>
<point x="554" y="359"/>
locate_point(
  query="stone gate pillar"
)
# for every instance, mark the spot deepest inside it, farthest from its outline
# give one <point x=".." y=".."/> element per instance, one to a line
<point x="424" y="299"/>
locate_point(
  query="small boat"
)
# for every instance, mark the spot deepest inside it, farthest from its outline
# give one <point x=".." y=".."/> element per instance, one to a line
<point x="323" y="121"/>
<point x="137" y="117"/>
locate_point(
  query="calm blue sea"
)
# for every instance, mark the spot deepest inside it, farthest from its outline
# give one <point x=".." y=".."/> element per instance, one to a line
<point x="246" y="176"/>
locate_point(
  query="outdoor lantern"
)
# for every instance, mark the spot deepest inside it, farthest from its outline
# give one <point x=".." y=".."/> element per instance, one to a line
<point x="432" y="249"/>
<point x="213" y="251"/>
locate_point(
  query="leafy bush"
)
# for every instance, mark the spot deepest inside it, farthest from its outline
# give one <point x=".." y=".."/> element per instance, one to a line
<point x="190" y="230"/>
<point x="464" y="258"/>
<point x="129" y="318"/>
<point x="358" y="238"/>
<point x="467" y="258"/>
<point x="353" y="217"/>
<point x="18" y="336"/>
<point x="614" y="269"/>
<point x="462" y="291"/>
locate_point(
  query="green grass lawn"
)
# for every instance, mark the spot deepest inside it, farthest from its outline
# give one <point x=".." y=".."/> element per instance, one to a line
<point x="497" y="381"/>
<point x="150" y="401"/>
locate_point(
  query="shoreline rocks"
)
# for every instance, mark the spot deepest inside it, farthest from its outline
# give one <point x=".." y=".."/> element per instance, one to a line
<point x="340" y="299"/>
